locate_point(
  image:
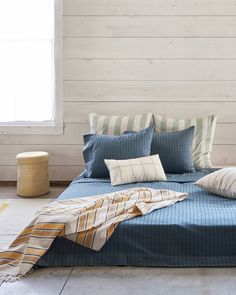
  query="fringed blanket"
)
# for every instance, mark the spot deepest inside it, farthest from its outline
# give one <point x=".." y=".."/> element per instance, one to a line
<point x="88" y="221"/>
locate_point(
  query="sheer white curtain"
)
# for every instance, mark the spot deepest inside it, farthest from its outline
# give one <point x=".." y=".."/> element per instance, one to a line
<point x="26" y="60"/>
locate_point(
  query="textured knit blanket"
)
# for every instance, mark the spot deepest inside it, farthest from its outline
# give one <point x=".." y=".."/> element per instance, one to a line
<point x="88" y="221"/>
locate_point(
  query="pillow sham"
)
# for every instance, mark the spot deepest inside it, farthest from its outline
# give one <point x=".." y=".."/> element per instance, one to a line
<point x="202" y="139"/>
<point x="135" y="170"/>
<point x="99" y="147"/>
<point x="221" y="182"/>
<point x="116" y="125"/>
<point x="175" y="150"/>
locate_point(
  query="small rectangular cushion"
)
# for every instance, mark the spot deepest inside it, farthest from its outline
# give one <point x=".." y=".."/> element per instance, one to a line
<point x="135" y="170"/>
<point x="116" y="125"/>
<point x="202" y="139"/>
<point x="221" y="182"/>
<point x="99" y="147"/>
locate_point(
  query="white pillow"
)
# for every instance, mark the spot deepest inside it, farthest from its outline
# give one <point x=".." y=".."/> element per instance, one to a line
<point x="116" y="125"/>
<point x="221" y="182"/>
<point x="135" y="170"/>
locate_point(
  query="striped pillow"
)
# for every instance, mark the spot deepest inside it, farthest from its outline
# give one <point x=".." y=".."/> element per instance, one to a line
<point x="221" y="182"/>
<point x="135" y="170"/>
<point x="202" y="139"/>
<point x="116" y="125"/>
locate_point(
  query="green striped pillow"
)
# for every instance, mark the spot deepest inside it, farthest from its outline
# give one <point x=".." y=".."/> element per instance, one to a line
<point x="202" y="139"/>
<point x="116" y="125"/>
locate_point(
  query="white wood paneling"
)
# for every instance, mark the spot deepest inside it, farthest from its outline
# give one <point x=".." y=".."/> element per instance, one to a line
<point x="174" y="58"/>
<point x="150" y="91"/>
<point x="74" y="136"/>
<point x="64" y="173"/>
<point x="71" y="155"/>
<point x="221" y="156"/>
<point x="149" y="26"/>
<point x="150" y="69"/>
<point x="60" y="155"/>
<point x="225" y="134"/>
<point x="149" y="7"/>
<point x="132" y="48"/>
<point x="224" y="155"/>
<point x="61" y="173"/>
<point x="77" y="112"/>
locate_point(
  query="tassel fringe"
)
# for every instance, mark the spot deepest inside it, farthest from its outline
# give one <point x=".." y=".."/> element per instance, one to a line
<point x="13" y="278"/>
<point x="9" y="278"/>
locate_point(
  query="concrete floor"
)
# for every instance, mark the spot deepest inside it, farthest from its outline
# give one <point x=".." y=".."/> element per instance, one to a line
<point x="9" y="192"/>
<point x="125" y="280"/>
<point x="120" y="280"/>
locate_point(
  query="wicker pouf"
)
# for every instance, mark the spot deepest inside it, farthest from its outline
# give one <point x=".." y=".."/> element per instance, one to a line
<point x="32" y="174"/>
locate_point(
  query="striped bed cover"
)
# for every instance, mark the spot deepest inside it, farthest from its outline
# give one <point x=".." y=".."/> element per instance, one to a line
<point x="201" y="231"/>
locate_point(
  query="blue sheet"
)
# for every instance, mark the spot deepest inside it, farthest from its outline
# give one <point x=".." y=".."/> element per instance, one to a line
<point x="200" y="231"/>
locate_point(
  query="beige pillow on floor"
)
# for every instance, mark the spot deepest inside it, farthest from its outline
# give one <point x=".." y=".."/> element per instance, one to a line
<point x="135" y="170"/>
<point x="221" y="182"/>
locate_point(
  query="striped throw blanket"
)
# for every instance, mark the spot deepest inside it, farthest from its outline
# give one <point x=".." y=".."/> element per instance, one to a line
<point x="88" y="221"/>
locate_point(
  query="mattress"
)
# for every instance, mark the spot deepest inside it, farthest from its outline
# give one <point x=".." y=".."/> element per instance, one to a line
<point x="200" y="231"/>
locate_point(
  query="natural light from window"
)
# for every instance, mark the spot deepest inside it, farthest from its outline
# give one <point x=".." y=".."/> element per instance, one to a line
<point x="26" y="61"/>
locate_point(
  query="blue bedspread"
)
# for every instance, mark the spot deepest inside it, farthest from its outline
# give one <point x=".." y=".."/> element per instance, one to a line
<point x="200" y="231"/>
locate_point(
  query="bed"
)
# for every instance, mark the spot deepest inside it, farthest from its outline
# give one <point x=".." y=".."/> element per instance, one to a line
<point x="200" y="231"/>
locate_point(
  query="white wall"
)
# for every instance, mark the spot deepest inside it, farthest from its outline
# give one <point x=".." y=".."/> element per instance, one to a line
<point x="171" y="57"/>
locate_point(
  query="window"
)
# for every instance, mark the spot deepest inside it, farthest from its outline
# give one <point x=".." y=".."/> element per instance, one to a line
<point x="30" y="66"/>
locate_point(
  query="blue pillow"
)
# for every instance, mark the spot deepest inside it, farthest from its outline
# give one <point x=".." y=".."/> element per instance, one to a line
<point x="98" y="147"/>
<point x="175" y="150"/>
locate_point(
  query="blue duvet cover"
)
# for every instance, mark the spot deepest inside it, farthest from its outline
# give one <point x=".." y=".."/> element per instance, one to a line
<point x="200" y="231"/>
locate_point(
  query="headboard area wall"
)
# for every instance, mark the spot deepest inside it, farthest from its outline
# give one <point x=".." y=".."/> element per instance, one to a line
<point x="174" y="58"/>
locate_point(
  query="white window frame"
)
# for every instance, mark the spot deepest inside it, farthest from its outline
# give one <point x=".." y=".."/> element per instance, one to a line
<point x="56" y="126"/>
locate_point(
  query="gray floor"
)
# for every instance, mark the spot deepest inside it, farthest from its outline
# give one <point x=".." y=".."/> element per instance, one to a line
<point x="125" y="280"/>
<point x="120" y="280"/>
<point x="9" y="192"/>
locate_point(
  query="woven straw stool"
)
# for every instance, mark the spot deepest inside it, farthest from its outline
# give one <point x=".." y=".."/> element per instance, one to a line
<point x="32" y="174"/>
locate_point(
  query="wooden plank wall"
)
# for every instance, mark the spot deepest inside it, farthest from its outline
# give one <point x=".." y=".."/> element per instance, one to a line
<point x="175" y="58"/>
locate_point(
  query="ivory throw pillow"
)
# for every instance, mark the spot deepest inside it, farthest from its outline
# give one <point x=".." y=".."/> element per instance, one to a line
<point x="202" y="138"/>
<point x="116" y="125"/>
<point x="135" y="170"/>
<point x="221" y="182"/>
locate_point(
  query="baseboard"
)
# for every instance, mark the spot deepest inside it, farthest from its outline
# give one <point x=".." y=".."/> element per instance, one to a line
<point x="52" y="183"/>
